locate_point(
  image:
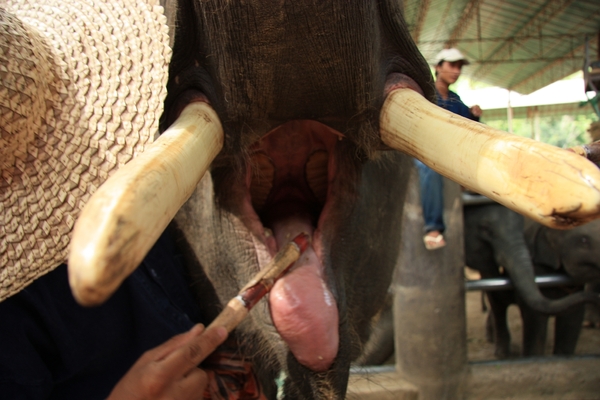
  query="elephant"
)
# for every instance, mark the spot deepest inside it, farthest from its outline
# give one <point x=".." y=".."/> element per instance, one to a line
<point x="574" y="253"/>
<point x="498" y="244"/>
<point x="268" y="90"/>
<point x="592" y="311"/>
<point x="258" y="73"/>
<point x="281" y="119"/>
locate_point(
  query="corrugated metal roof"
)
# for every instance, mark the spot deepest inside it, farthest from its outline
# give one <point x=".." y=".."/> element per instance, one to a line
<point x="518" y="45"/>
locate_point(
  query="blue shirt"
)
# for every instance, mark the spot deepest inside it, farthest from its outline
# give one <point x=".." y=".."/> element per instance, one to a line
<point x="52" y="348"/>
<point x="454" y="104"/>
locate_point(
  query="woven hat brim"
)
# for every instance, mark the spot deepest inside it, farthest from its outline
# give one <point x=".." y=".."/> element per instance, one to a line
<point x="82" y="85"/>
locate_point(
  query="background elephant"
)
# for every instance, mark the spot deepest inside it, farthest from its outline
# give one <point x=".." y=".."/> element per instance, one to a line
<point x="575" y="253"/>
<point x="592" y="311"/>
<point x="496" y="246"/>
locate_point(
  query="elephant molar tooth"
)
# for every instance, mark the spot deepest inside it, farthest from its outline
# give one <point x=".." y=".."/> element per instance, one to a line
<point x="263" y="173"/>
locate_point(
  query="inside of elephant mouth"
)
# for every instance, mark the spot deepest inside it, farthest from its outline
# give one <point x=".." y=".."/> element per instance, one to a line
<point x="289" y="184"/>
<point x="289" y="175"/>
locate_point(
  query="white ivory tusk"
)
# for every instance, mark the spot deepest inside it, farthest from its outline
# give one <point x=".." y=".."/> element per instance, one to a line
<point x="553" y="186"/>
<point x="128" y="213"/>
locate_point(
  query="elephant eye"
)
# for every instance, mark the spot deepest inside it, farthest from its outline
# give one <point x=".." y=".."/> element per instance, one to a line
<point x="584" y="241"/>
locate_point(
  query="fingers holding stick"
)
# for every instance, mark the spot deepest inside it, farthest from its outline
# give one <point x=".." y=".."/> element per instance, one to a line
<point x="199" y="344"/>
<point x="171" y="369"/>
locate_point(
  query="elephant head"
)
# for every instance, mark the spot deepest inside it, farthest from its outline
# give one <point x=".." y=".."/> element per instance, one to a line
<point x="496" y="237"/>
<point x="296" y="110"/>
<point x="574" y="251"/>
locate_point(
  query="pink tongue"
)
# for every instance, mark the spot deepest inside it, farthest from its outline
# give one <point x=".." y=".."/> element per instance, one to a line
<point x="302" y="307"/>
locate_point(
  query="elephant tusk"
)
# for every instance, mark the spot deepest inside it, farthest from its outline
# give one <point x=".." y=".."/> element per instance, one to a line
<point x="553" y="186"/>
<point x="128" y="213"/>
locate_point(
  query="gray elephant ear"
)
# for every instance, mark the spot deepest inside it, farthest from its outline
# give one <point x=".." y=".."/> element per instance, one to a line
<point x="544" y="251"/>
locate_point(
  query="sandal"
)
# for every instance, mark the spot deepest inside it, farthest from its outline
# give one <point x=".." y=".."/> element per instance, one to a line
<point x="434" y="240"/>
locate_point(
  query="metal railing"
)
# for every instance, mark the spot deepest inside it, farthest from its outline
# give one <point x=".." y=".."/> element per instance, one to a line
<point x="491" y="284"/>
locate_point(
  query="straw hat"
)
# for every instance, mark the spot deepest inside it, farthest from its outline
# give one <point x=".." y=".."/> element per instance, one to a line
<point x="82" y="84"/>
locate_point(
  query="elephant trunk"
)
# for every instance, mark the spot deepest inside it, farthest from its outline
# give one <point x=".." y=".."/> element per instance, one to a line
<point x="517" y="262"/>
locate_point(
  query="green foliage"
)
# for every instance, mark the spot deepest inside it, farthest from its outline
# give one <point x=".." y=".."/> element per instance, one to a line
<point x="559" y="130"/>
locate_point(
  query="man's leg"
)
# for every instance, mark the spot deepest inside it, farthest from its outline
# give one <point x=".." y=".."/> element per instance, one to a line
<point x="432" y="197"/>
<point x="432" y="202"/>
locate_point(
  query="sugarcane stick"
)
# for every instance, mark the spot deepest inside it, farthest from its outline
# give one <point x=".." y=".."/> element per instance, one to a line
<point x="238" y="307"/>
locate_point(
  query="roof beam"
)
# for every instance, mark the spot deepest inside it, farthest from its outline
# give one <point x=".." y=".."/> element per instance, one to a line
<point x="469" y="12"/>
<point x="423" y="9"/>
<point x="543" y="15"/>
<point x="565" y="36"/>
<point x="548" y="67"/>
<point x="576" y="53"/>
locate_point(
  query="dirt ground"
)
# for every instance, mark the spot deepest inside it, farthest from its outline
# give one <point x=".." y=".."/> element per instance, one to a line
<point x="479" y="349"/>
<point x="550" y="378"/>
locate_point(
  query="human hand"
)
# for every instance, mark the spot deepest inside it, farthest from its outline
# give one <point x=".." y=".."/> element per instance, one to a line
<point x="171" y="369"/>
<point x="476" y="111"/>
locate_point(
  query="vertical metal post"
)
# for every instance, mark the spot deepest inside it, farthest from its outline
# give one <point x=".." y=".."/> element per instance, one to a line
<point x="429" y="302"/>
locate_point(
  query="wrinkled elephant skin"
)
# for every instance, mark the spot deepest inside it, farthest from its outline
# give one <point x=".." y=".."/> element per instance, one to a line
<point x="298" y="89"/>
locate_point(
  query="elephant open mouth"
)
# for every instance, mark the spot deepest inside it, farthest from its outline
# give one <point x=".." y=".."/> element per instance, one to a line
<point x="289" y="188"/>
<point x="286" y="190"/>
<point x="288" y="182"/>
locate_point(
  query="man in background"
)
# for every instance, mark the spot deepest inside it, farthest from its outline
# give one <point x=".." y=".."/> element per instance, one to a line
<point x="448" y="67"/>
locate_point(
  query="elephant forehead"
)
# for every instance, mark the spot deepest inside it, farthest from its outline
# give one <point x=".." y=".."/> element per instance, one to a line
<point x="295" y="61"/>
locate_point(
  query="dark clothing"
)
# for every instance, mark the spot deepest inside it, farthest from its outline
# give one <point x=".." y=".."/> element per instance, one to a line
<point x="454" y="104"/>
<point x="52" y="348"/>
<point x="431" y="183"/>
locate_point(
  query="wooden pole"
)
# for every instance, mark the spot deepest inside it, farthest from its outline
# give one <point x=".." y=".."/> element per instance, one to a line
<point x="429" y="302"/>
<point x="509" y="114"/>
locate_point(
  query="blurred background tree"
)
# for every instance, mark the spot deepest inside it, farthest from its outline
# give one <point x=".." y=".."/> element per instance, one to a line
<point x="558" y="130"/>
